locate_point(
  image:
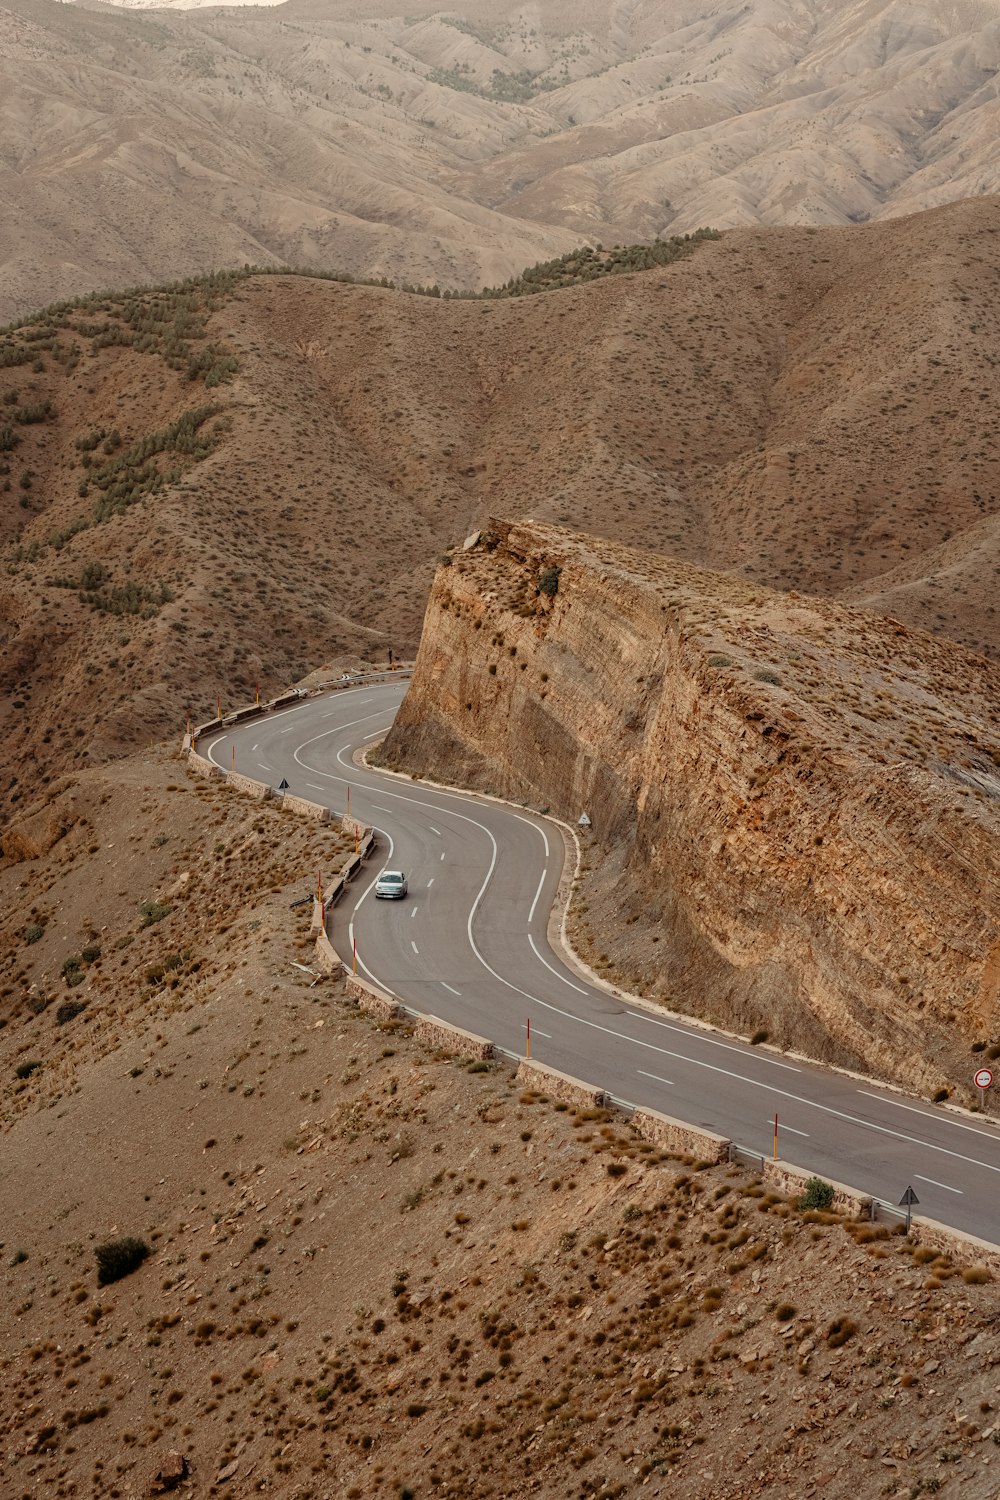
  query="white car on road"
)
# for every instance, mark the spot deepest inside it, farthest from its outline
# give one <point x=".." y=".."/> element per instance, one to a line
<point x="391" y="884"/>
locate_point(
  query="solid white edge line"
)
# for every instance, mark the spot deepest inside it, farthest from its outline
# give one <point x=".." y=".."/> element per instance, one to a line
<point x="543" y="960"/>
<point x="929" y="1115"/>
<point x="726" y="1046"/>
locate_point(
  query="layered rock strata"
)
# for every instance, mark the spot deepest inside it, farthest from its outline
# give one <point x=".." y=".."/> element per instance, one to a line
<point x="794" y="805"/>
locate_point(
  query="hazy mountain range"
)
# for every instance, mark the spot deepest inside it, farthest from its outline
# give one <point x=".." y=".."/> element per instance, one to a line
<point x="456" y="147"/>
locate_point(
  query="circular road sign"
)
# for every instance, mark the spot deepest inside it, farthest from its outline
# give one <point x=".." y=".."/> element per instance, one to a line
<point x="984" y="1079"/>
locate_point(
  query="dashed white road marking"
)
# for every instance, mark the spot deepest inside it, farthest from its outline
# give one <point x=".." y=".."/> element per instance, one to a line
<point x="547" y="1035"/>
<point x="414" y="947"/>
<point x="430" y="882"/>
<point x="314" y="788"/>
<point x="541" y="882"/>
<point x="452" y="991"/>
<point x="656" y="1078"/>
<point x="442" y="854"/>
<point x="435" y="830"/>
<point x="262" y="766"/>
<point x="791" y="1129"/>
<point x="934" y="1183"/>
<point x="413" y="913"/>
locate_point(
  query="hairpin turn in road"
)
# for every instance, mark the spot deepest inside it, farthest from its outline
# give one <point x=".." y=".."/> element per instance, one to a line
<point x="470" y="944"/>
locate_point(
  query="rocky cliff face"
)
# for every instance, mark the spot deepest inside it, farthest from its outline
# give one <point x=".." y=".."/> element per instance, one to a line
<point x="795" y="805"/>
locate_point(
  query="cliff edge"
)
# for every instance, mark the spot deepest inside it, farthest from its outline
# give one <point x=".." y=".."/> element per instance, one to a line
<point x="794" y="804"/>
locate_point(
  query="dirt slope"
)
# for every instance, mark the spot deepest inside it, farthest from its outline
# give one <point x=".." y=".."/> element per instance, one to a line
<point x="371" y="1271"/>
<point x="808" y="410"/>
<point x="455" y="146"/>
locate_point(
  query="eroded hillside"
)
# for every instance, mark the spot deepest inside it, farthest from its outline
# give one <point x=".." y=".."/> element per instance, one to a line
<point x="373" y="1268"/>
<point x="230" y="483"/>
<point x="795" y="805"/>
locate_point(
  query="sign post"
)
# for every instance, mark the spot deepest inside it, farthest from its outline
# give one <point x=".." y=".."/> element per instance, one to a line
<point x="527" y="1052"/>
<point x="907" y="1201"/>
<point x="776" y="1137"/>
<point x="983" y="1081"/>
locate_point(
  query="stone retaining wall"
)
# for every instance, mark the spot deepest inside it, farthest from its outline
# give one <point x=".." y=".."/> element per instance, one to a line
<point x="259" y="789"/>
<point x="963" y="1247"/>
<point x="558" y="1085"/>
<point x="201" y="766"/>
<point x="327" y="959"/>
<point x="453" y="1039"/>
<point x="676" y="1136"/>
<point x="305" y="808"/>
<point x="792" y="1180"/>
<point x="374" y="1001"/>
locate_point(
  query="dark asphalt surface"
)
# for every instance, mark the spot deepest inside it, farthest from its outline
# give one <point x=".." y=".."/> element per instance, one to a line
<point x="469" y="945"/>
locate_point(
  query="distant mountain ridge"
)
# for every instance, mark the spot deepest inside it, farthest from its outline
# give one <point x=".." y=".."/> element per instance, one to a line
<point x="457" y="147"/>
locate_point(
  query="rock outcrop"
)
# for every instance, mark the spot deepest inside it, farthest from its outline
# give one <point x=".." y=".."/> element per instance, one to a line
<point x="794" y="805"/>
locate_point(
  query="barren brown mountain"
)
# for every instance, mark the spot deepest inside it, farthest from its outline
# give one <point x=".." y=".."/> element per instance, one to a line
<point x="456" y="146"/>
<point x="807" y="409"/>
<point x="372" y="1274"/>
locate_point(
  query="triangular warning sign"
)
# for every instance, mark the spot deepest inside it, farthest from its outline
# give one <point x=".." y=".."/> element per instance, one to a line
<point x="908" y="1198"/>
<point x="282" y="785"/>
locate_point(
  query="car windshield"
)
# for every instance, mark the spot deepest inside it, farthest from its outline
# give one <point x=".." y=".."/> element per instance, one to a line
<point x="391" y="878"/>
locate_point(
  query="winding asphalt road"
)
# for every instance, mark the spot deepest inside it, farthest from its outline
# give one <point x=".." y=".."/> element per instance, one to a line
<point x="469" y="945"/>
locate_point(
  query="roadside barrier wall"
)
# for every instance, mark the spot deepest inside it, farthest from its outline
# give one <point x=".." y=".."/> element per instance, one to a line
<point x="676" y="1136"/>
<point x="561" y="1086"/>
<point x="790" y="1179"/>
<point x="952" y="1242"/>
<point x="453" y="1039"/>
<point x="374" y="1001"/>
<point x="201" y="766"/>
<point x="258" y="789"/>
<point x="327" y="959"/>
<point x="305" y="808"/>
